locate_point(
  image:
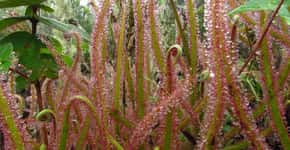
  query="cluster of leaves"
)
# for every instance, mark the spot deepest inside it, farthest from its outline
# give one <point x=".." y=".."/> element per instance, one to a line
<point x="29" y="51"/>
<point x="197" y="94"/>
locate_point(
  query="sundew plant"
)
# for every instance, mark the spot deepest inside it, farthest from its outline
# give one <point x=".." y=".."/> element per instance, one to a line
<point x="221" y="83"/>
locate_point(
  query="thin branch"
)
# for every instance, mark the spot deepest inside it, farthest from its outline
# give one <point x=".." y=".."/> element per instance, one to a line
<point x="19" y="73"/>
<point x="258" y="44"/>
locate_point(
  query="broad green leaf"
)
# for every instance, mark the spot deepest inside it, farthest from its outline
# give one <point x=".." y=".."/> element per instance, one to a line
<point x="49" y="66"/>
<point x="29" y="11"/>
<point x="4" y="66"/>
<point x="5" y="56"/>
<point x="257" y="5"/>
<point x="27" y="48"/>
<point x="67" y="60"/>
<point x="21" y="84"/>
<point x="16" y="3"/>
<point x="4" y="23"/>
<point x="63" y="27"/>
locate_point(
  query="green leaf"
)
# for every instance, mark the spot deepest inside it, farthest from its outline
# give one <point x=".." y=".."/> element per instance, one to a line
<point x="48" y="66"/>
<point x="46" y="8"/>
<point x="67" y="60"/>
<point x="5" y="56"/>
<point x="257" y="5"/>
<point x="4" y="66"/>
<point x="21" y="84"/>
<point x="4" y="23"/>
<point x="5" y="51"/>
<point x="56" y="44"/>
<point x="16" y="3"/>
<point x="63" y="27"/>
<point x="27" y="48"/>
<point x="29" y="9"/>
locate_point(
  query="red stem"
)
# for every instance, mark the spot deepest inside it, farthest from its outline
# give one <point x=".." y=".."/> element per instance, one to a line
<point x="19" y="73"/>
<point x="258" y="44"/>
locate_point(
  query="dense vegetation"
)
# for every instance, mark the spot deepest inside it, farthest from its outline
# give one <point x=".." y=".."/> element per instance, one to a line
<point x="144" y="74"/>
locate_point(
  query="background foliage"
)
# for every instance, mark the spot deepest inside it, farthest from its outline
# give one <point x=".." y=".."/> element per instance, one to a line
<point x="134" y="74"/>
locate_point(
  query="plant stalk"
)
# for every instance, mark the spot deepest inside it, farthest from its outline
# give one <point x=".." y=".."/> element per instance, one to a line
<point x="258" y="44"/>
